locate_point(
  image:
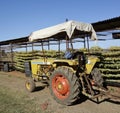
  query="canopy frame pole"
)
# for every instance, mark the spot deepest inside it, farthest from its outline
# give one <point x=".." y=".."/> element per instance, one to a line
<point x="26" y="48"/>
<point x="67" y="43"/>
<point x="12" y="59"/>
<point x="43" y="51"/>
<point x="84" y="43"/>
<point x="71" y="44"/>
<point x="59" y="48"/>
<point x="48" y="45"/>
<point x="32" y="46"/>
<point x="88" y="48"/>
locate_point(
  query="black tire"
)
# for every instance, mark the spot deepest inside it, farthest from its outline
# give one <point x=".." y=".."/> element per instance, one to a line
<point x="97" y="77"/>
<point x="30" y="85"/>
<point x="64" y="86"/>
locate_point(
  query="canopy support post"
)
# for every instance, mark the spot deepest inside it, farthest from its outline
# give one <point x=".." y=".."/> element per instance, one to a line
<point x="88" y="44"/>
<point x="48" y="45"/>
<point x="32" y="46"/>
<point x="67" y="43"/>
<point x="43" y="51"/>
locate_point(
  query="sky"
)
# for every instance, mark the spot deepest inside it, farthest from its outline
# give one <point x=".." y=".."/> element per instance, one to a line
<point x="18" y="18"/>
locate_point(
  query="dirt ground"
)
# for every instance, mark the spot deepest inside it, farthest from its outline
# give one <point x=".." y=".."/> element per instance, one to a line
<point x="16" y="81"/>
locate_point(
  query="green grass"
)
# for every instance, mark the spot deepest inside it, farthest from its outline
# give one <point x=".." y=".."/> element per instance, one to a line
<point x="17" y="102"/>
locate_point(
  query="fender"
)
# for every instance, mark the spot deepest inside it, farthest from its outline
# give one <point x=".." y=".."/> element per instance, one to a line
<point x="91" y="63"/>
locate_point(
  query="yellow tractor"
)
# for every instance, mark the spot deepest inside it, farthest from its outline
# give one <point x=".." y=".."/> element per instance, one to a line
<point x="70" y="74"/>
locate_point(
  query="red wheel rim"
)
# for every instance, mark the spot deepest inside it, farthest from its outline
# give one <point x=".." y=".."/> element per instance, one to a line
<point x="60" y="86"/>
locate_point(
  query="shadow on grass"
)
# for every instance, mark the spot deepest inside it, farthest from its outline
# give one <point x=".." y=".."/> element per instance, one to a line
<point x="39" y="88"/>
<point x="111" y="100"/>
<point x="81" y="99"/>
<point x="97" y="101"/>
<point x="114" y="101"/>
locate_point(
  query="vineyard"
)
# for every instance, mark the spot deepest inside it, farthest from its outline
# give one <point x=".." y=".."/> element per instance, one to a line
<point x="109" y="65"/>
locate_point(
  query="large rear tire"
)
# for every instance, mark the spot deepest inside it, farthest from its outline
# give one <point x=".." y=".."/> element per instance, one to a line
<point x="64" y="86"/>
<point x="97" y="77"/>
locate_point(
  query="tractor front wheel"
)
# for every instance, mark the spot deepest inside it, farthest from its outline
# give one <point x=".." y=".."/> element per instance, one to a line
<point x="30" y="85"/>
<point x="64" y="85"/>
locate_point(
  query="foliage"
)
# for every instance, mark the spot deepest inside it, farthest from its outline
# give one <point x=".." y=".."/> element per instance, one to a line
<point x="114" y="48"/>
<point x="109" y="65"/>
<point x="96" y="48"/>
<point x="21" y="57"/>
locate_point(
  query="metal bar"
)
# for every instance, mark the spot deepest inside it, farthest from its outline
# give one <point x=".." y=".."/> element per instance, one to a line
<point x="107" y="93"/>
<point x="12" y="54"/>
<point x="48" y="45"/>
<point x="89" y="86"/>
<point x="43" y="51"/>
<point x="32" y="46"/>
<point x="59" y="46"/>
<point x="88" y="44"/>
<point x="67" y="43"/>
<point x="26" y="48"/>
<point x="84" y="43"/>
<point x="71" y="44"/>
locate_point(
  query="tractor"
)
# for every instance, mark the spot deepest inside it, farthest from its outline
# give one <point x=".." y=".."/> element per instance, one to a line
<point x="69" y="74"/>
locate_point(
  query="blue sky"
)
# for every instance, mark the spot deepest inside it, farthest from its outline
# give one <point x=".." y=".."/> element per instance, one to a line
<point x="18" y="18"/>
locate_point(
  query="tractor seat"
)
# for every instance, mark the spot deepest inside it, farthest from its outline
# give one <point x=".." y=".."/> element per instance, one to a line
<point x="68" y="55"/>
<point x="72" y="55"/>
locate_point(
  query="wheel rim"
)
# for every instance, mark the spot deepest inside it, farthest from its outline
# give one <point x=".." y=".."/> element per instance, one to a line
<point x="60" y="86"/>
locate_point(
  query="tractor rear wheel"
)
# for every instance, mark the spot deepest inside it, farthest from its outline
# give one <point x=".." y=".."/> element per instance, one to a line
<point x="97" y="77"/>
<point x="64" y="86"/>
<point x="30" y="85"/>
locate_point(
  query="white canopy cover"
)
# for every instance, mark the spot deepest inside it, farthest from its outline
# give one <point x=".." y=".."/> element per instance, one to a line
<point x="68" y="27"/>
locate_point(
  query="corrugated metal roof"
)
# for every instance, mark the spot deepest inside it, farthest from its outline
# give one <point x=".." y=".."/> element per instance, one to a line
<point x="14" y="41"/>
<point x="108" y="24"/>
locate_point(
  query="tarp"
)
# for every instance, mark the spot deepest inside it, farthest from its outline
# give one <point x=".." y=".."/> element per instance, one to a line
<point x="69" y="27"/>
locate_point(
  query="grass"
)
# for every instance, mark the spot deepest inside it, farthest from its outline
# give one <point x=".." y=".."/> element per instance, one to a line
<point x="16" y="102"/>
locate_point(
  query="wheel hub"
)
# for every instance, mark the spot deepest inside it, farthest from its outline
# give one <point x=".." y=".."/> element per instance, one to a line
<point x="60" y="86"/>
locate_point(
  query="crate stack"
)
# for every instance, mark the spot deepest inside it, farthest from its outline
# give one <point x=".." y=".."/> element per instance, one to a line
<point x="21" y="57"/>
<point x="110" y="64"/>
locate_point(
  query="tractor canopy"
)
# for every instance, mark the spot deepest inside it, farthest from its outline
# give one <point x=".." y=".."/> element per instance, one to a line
<point x="71" y="29"/>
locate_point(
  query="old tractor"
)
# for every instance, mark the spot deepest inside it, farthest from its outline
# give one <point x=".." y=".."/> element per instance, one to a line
<point x="70" y="74"/>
